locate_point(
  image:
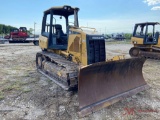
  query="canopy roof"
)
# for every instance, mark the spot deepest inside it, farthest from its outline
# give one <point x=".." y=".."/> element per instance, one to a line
<point x="62" y="10"/>
<point x="148" y="23"/>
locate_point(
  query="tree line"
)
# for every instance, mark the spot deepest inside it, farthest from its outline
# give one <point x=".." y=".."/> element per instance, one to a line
<point x="128" y="35"/>
<point x="6" y="29"/>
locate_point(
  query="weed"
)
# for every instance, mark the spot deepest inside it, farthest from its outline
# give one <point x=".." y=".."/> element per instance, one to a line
<point x="26" y="90"/>
<point x="13" y="86"/>
<point x="1" y="96"/>
<point x="4" y="82"/>
<point x="49" y="81"/>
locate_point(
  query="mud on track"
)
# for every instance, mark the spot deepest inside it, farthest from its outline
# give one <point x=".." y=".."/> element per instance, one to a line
<point x="26" y="94"/>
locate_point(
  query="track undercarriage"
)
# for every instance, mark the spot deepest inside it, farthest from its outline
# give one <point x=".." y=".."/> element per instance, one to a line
<point x="62" y="71"/>
<point x="152" y="53"/>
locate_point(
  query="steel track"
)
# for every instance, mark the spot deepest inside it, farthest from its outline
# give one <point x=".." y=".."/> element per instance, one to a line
<point x="59" y="61"/>
<point x="150" y="55"/>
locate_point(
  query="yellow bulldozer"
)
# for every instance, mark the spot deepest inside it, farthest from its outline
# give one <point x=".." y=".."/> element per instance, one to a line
<point x="146" y="40"/>
<point x="76" y="59"/>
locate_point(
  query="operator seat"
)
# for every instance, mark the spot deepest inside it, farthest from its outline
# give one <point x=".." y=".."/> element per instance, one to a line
<point x="61" y="37"/>
<point x="157" y="35"/>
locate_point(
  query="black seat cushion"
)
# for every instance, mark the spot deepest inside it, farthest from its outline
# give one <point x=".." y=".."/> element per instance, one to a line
<point x="58" y="26"/>
<point x="61" y="37"/>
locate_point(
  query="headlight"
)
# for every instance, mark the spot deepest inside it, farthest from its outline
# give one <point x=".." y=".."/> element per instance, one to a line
<point x="134" y="42"/>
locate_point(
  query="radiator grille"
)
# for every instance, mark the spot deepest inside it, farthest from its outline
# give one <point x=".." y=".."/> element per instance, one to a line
<point x="96" y="51"/>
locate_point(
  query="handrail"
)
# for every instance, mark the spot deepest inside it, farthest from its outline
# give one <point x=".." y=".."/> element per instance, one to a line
<point x="75" y="27"/>
<point x="89" y="28"/>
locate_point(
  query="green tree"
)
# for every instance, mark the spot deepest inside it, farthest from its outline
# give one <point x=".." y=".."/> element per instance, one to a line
<point x="30" y="31"/>
<point x="1" y="28"/>
<point x="5" y="29"/>
<point x="128" y="35"/>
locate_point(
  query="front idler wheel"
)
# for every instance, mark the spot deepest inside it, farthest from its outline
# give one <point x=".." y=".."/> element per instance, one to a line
<point x="134" y="52"/>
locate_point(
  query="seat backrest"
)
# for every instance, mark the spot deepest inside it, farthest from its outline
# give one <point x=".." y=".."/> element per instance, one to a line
<point x="157" y="35"/>
<point x="59" y="31"/>
<point x="58" y="26"/>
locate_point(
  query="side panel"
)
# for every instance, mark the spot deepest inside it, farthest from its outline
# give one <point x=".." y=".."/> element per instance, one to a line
<point x="77" y="47"/>
<point x="74" y="47"/>
<point x="84" y="50"/>
<point x="136" y="40"/>
<point x="43" y="42"/>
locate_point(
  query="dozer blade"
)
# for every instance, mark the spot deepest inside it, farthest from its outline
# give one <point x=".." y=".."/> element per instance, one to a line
<point x="105" y="83"/>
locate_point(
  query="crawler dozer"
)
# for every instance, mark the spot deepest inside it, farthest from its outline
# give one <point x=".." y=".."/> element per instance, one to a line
<point x="146" y="40"/>
<point x="77" y="59"/>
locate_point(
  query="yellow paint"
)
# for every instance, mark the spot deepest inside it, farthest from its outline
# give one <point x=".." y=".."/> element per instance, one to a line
<point x="64" y="53"/>
<point x="43" y="42"/>
<point x="81" y="55"/>
<point x="158" y="45"/>
<point x="136" y="40"/>
<point x="158" y="42"/>
<point x="59" y="73"/>
<point x="115" y="58"/>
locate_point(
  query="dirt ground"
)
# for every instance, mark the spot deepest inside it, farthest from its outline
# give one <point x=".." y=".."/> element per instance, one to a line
<point x="26" y="94"/>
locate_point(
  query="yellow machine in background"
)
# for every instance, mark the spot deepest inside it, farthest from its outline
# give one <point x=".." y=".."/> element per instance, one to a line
<point x="77" y="59"/>
<point x="146" y="40"/>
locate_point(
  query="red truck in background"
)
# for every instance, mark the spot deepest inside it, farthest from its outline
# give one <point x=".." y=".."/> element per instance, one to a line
<point x="18" y="34"/>
<point x="21" y="35"/>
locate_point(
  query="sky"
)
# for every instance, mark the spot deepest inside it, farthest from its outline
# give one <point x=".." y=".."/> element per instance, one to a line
<point x="107" y="16"/>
